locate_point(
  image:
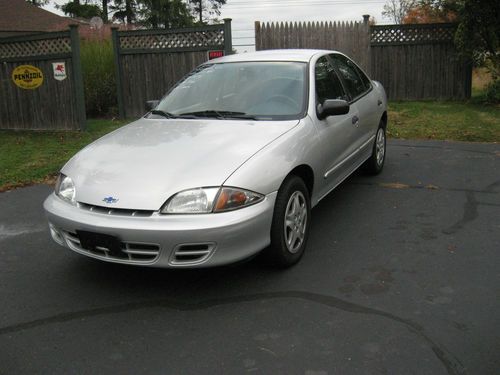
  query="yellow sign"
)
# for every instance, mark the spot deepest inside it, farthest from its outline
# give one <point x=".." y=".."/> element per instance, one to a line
<point x="27" y="77"/>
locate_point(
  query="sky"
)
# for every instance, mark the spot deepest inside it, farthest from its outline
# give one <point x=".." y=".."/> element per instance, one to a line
<point x="244" y="13"/>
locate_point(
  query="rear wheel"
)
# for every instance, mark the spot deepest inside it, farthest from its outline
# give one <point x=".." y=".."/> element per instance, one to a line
<point x="375" y="163"/>
<point x="290" y="226"/>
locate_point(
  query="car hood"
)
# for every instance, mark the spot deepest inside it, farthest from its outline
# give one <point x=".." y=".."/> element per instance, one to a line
<point x="144" y="163"/>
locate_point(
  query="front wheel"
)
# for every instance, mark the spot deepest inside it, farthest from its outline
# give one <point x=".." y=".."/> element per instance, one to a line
<point x="375" y="163"/>
<point x="291" y="220"/>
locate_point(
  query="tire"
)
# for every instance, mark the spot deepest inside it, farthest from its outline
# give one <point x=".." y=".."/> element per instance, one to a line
<point x="375" y="163"/>
<point x="289" y="237"/>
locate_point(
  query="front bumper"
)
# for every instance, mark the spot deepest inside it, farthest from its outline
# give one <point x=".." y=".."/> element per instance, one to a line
<point x="201" y="240"/>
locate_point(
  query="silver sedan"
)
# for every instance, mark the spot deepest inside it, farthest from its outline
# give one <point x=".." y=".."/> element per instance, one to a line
<point x="228" y="164"/>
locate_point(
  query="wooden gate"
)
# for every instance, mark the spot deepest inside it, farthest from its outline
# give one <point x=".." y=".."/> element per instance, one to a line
<point x="41" y="82"/>
<point x="150" y="62"/>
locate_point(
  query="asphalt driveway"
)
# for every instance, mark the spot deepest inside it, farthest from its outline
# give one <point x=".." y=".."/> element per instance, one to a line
<point x="401" y="276"/>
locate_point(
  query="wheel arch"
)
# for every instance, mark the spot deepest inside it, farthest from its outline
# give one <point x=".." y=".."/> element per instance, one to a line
<point x="384" y="119"/>
<point x="306" y="173"/>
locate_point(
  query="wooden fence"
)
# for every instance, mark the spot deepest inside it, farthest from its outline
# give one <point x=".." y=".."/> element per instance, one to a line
<point x="41" y="82"/>
<point x="412" y="61"/>
<point x="150" y="62"/>
<point x="419" y="62"/>
<point x="348" y="37"/>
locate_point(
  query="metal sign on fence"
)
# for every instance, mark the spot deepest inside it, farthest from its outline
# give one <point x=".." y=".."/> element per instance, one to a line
<point x="27" y="77"/>
<point x="33" y="93"/>
<point x="59" y="69"/>
<point x="215" y="54"/>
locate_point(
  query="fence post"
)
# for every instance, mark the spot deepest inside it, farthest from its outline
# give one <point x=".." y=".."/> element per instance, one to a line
<point x="118" y="71"/>
<point x="257" y="36"/>
<point x="77" y="76"/>
<point x="367" y="45"/>
<point x="228" y="39"/>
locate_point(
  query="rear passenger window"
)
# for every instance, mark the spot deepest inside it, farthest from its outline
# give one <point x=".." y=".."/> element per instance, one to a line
<point x="328" y="85"/>
<point x="356" y="81"/>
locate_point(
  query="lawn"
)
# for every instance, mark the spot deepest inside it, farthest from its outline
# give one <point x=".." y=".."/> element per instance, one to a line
<point x="30" y="157"/>
<point x="454" y="121"/>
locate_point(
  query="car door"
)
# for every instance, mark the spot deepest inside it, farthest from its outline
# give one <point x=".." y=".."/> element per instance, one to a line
<point x="336" y="133"/>
<point x="363" y="98"/>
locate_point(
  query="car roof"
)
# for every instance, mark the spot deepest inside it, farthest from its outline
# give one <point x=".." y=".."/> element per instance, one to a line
<point x="302" y="55"/>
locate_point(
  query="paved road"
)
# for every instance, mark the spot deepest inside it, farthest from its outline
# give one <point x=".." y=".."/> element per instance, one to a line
<point x="401" y="276"/>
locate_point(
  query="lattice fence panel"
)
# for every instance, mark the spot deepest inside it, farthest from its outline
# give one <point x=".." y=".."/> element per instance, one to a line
<point x="33" y="48"/>
<point x="173" y="40"/>
<point x="412" y="34"/>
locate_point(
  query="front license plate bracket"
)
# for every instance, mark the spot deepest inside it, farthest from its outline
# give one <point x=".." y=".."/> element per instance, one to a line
<point x="93" y="241"/>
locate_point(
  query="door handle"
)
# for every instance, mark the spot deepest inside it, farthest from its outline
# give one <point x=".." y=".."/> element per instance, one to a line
<point x="379" y="102"/>
<point x="355" y="120"/>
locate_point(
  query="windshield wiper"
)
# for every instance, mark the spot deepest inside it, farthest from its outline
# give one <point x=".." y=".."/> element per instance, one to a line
<point x="162" y="113"/>
<point x="243" y="116"/>
<point x="220" y="114"/>
<point x="207" y="113"/>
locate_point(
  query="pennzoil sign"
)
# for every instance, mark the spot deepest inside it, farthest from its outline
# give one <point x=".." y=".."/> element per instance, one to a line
<point x="27" y="77"/>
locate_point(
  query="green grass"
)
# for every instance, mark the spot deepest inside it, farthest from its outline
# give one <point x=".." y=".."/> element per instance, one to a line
<point x="28" y="157"/>
<point x="455" y="121"/>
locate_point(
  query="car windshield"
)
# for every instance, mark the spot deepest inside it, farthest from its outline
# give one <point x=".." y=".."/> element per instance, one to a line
<point x="253" y="90"/>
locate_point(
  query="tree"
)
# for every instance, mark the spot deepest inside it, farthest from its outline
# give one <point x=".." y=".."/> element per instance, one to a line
<point x="211" y="8"/>
<point x="37" y="3"/>
<point x="164" y="13"/>
<point x="125" y="10"/>
<point x="396" y="10"/>
<point x="430" y="11"/>
<point x="478" y="33"/>
<point x="75" y="9"/>
<point x="104" y="11"/>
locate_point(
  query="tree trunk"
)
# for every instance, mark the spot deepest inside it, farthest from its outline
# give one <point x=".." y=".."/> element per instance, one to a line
<point x="128" y="11"/>
<point x="200" y="9"/>
<point x="167" y="15"/>
<point x="105" y="10"/>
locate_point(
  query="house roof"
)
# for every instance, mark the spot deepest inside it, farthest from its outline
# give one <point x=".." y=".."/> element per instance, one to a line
<point x="20" y="16"/>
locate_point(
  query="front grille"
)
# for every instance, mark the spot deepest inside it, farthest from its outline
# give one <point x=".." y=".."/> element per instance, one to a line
<point x="115" y="211"/>
<point x="130" y="251"/>
<point x="192" y="253"/>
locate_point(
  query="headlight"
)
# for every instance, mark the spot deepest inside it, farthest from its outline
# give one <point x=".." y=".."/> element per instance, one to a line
<point x="195" y="201"/>
<point x="65" y="188"/>
<point x="213" y="199"/>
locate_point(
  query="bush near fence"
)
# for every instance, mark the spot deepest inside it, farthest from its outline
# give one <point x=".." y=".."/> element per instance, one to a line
<point x="99" y="77"/>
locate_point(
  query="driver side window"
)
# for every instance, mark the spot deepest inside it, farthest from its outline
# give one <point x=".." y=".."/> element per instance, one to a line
<point x="328" y="85"/>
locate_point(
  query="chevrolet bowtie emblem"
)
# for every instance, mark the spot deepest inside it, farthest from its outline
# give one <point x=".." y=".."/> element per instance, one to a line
<point x="110" y="200"/>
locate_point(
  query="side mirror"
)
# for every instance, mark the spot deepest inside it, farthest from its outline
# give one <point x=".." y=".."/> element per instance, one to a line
<point x="332" y="107"/>
<point x="151" y="104"/>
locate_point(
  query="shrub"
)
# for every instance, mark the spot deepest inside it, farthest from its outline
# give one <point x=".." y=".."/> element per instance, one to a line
<point x="98" y="77"/>
<point x="493" y="92"/>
